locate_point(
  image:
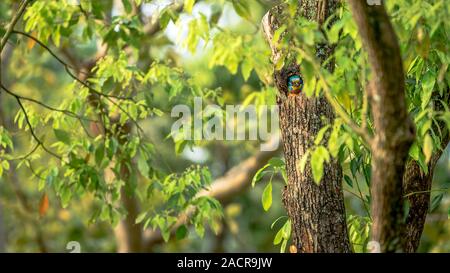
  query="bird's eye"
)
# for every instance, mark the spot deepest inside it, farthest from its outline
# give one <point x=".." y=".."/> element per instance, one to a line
<point x="293" y="79"/>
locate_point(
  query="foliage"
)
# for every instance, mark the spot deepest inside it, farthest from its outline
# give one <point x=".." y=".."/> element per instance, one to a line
<point x="422" y="32"/>
<point x="86" y="139"/>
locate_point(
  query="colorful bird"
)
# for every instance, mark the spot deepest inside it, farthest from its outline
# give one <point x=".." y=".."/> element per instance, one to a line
<point x="295" y="84"/>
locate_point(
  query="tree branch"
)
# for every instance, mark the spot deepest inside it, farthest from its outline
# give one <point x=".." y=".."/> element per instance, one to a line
<point x="417" y="189"/>
<point x="394" y="129"/>
<point x="234" y="182"/>
<point x="13" y="23"/>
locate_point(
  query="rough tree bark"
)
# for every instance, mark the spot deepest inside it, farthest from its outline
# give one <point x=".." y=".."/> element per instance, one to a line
<point x="317" y="212"/>
<point x="417" y="186"/>
<point x="394" y="130"/>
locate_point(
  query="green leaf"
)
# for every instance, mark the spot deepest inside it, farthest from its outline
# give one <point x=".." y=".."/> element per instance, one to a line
<point x="310" y="85"/>
<point x="158" y="112"/>
<point x="246" y="68"/>
<point x="321" y="134"/>
<point x="181" y="232"/>
<point x="5" y="139"/>
<point x="333" y="33"/>
<point x="414" y="151"/>
<point x="188" y="5"/>
<point x="200" y="229"/>
<point x="302" y="162"/>
<point x="41" y="184"/>
<point x="198" y="28"/>
<point x="165" y="234"/>
<point x="277" y="34"/>
<point x="318" y="157"/>
<point x="283" y="246"/>
<point x="267" y="197"/>
<point x="276" y="162"/>
<point x="278" y="219"/>
<point x="99" y="154"/>
<point x="428" y="147"/>
<point x="180" y="145"/>
<point x="308" y="72"/>
<point x="66" y="195"/>
<point x="278" y="237"/>
<point x="354" y="167"/>
<point x="323" y="152"/>
<point x="242" y="8"/>
<point x="284" y="175"/>
<point x="287" y="229"/>
<point x="133" y="110"/>
<point x="348" y="180"/>
<point x="112" y="146"/>
<point x="428" y="83"/>
<point x="62" y="136"/>
<point x="436" y="201"/>
<point x="5" y="165"/>
<point x="127" y="5"/>
<point x="143" y="166"/>
<point x="280" y="63"/>
<point x="259" y="174"/>
<point x="335" y="141"/>
<point x="164" y="19"/>
<point x="141" y="217"/>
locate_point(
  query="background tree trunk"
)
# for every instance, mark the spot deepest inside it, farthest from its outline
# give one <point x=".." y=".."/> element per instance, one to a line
<point x="317" y="212"/>
<point x="417" y="186"/>
<point x="394" y="130"/>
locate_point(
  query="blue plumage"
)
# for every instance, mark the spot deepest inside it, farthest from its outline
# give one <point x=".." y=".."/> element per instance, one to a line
<point x="295" y="84"/>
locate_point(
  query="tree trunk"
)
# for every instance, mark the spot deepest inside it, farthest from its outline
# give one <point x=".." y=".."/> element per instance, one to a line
<point x="417" y="186"/>
<point x="394" y="130"/>
<point x="416" y="183"/>
<point x="317" y="212"/>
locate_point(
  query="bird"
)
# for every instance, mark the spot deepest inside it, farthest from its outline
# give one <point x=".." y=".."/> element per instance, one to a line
<point x="295" y="85"/>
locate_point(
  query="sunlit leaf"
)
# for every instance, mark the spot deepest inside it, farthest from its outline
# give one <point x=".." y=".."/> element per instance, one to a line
<point x="428" y="147"/>
<point x="267" y="197"/>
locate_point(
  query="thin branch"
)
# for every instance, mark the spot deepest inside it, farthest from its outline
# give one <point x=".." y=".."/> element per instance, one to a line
<point x="34" y="149"/>
<point x="33" y="171"/>
<point x="33" y="134"/>
<point x="68" y="67"/>
<point x="13" y="23"/>
<point x="40" y="103"/>
<point x="364" y="203"/>
<point x="429" y="191"/>
<point x="91" y="89"/>
<point x="234" y="182"/>
<point x="356" y="195"/>
<point x="64" y="111"/>
<point x="365" y="102"/>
